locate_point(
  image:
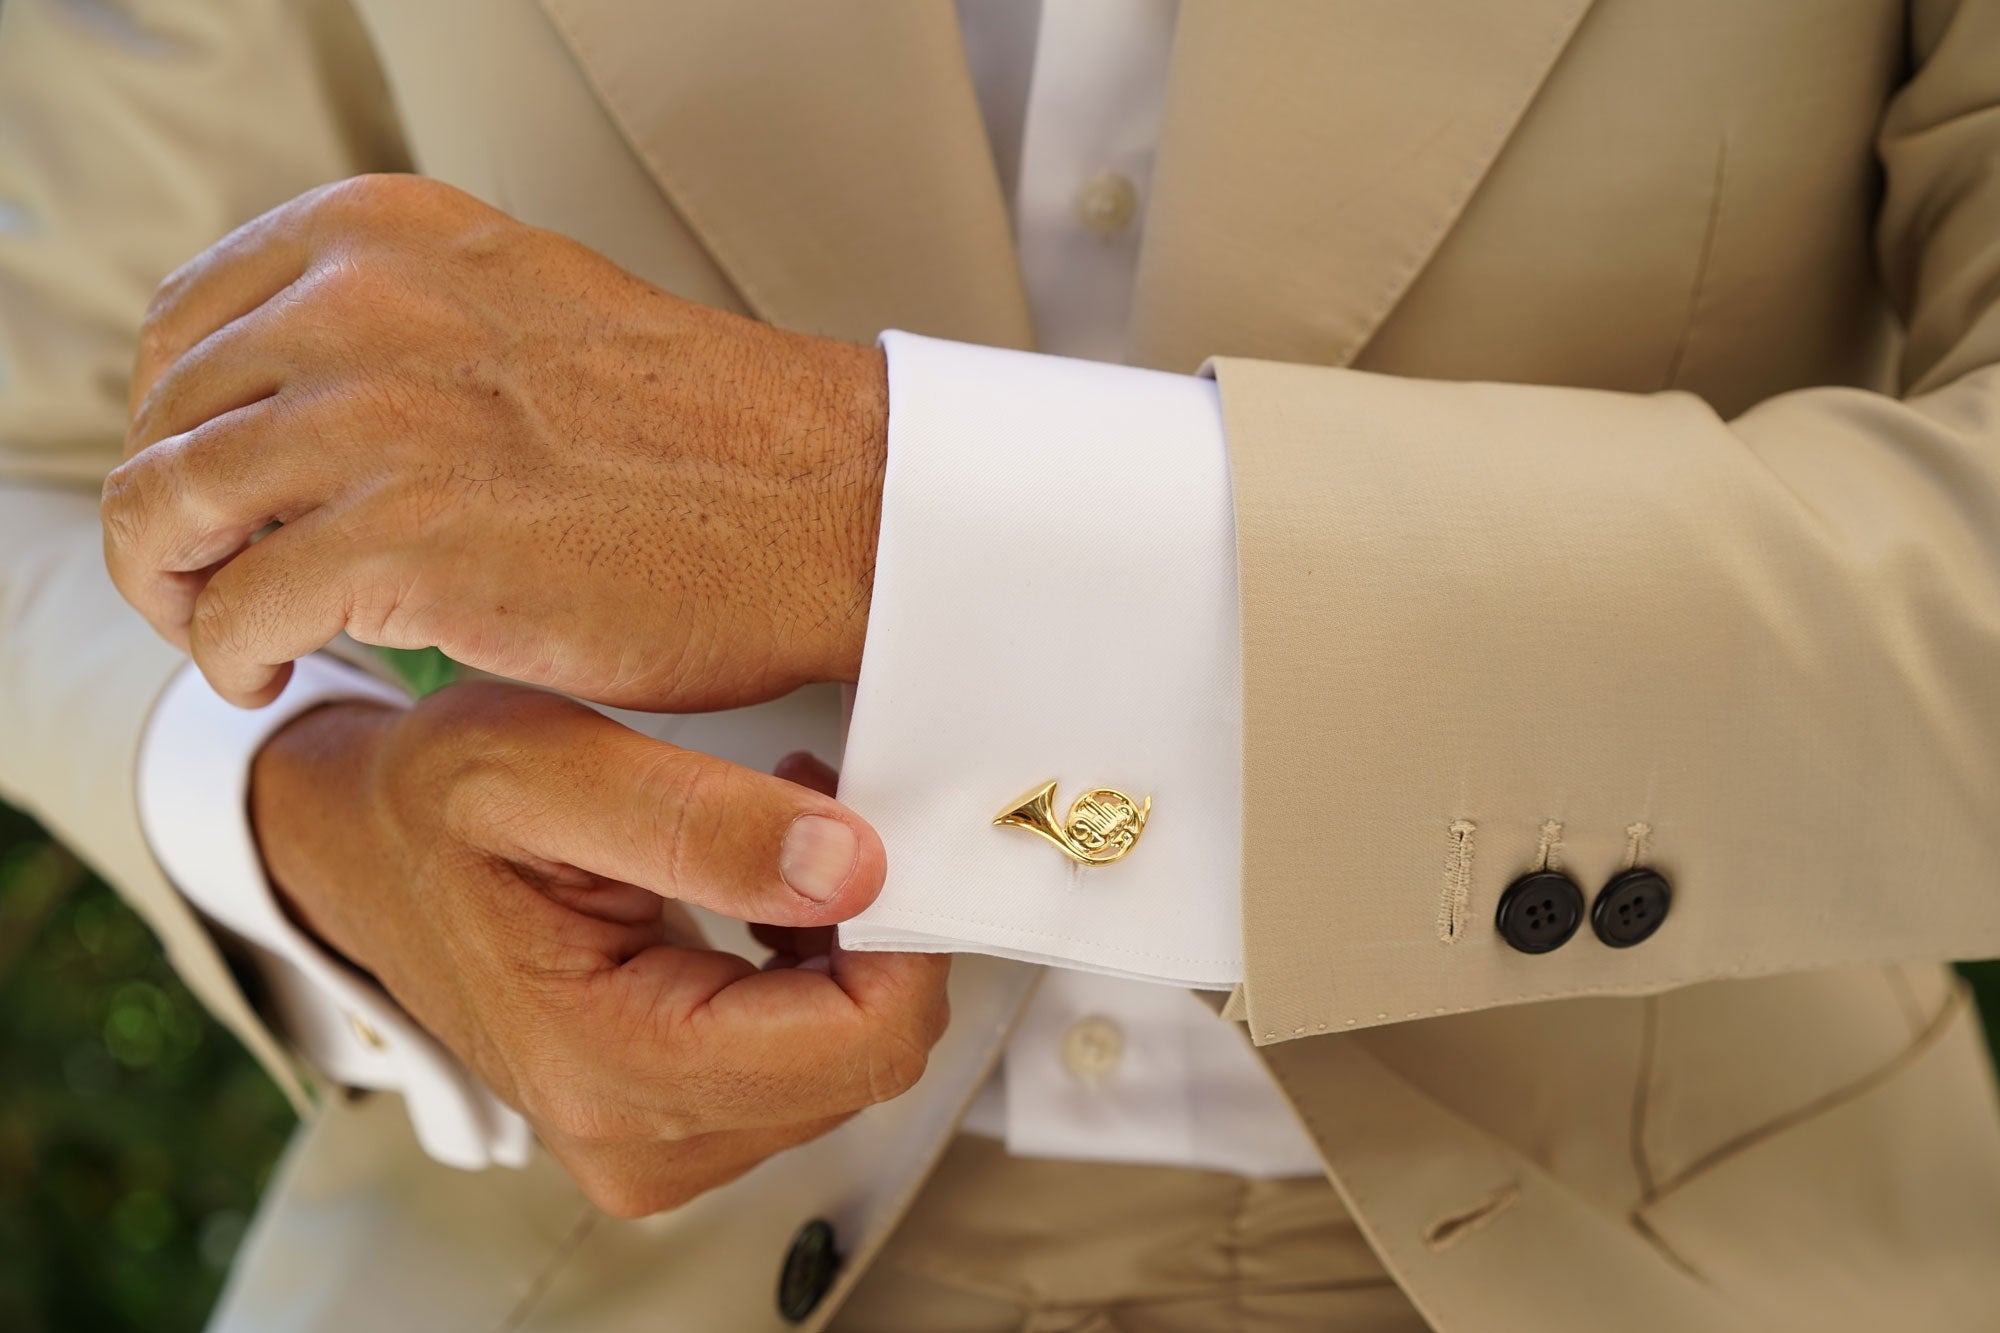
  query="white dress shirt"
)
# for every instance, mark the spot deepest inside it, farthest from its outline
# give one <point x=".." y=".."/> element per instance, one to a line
<point x="1055" y="597"/>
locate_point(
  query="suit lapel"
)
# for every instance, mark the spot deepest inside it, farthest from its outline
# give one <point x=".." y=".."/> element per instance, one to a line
<point x="830" y="155"/>
<point x="1312" y="158"/>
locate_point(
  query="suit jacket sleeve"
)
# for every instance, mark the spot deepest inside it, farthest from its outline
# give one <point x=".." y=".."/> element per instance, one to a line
<point x="1485" y="625"/>
<point x="129" y="140"/>
<point x="1489" y="625"/>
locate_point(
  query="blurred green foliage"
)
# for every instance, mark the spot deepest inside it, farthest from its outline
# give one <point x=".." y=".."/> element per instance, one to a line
<point x="422" y="669"/>
<point x="135" y="1134"/>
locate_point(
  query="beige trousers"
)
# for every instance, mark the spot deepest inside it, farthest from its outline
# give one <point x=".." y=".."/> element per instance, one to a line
<point x="361" y="1233"/>
<point x="996" y="1244"/>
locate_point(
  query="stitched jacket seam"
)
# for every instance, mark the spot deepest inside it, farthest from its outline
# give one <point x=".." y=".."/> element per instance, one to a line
<point x="1799" y="1117"/>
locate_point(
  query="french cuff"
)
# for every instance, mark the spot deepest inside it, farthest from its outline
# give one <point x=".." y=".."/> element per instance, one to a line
<point x="1055" y="599"/>
<point x="193" y="792"/>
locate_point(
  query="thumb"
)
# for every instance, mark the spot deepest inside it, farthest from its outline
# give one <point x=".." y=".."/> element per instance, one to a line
<point x="604" y="798"/>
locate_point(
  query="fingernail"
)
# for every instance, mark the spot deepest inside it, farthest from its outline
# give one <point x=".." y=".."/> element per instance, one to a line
<point x="818" y="856"/>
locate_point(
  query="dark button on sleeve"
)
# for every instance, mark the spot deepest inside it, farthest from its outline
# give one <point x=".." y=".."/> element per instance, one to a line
<point x="1540" y="911"/>
<point x="810" y="1267"/>
<point x="1631" y="907"/>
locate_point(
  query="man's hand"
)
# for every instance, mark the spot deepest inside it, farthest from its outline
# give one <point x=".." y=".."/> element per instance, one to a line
<point x="485" y="437"/>
<point x="508" y="863"/>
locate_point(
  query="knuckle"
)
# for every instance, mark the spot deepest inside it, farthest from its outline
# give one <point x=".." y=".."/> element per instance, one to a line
<point x="899" y="1050"/>
<point x="359" y="198"/>
<point x="349" y="288"/>
<point x="679" y="1127"/>
<point x="139" y="498"/>
<point x="217" y="623"/>
<point x="482" y="794"/>
<point x="895" y="1063"/>
<point x="675" y="789"/>
<point x="372" y="612"/>
<point x="170" y="497"/>
<point x="936" y="1019"/>
<point x="376" y="196"/>
<point x="154" y="324"/>
<point x="146" y="414"/>
<point x="460" y="755"/>
<point x="192" y="499"/>
<point x="494" y="752"/>
<point x="123" y="504"/>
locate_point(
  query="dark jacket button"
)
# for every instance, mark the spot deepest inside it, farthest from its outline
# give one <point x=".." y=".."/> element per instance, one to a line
<point x="1540" y="911"/>
<point x="1631" y="907"/>
<point x="810" y="1267"/>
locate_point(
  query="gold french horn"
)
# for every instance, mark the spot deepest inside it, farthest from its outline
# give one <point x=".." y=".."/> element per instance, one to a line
<point x="1103" y="824"/>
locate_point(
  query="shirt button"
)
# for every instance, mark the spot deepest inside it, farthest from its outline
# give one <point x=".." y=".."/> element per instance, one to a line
<point x="1107" y="204"/>
<point x="1092" y="1048"/>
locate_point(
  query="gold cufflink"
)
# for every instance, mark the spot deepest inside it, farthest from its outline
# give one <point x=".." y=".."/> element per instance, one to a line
<point x="1102" y="825"/>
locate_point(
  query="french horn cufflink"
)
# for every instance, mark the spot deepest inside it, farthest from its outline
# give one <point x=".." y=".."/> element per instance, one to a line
<point x="1101" y="827"/>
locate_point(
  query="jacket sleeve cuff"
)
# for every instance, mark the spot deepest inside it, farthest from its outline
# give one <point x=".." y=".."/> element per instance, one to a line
<point x="1055" y="598"/>
<point x="193" y="790"/>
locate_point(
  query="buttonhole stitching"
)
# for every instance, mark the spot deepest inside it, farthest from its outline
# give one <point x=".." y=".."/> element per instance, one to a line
<point x="1448" y="1230"/>
<point x="1638" y="840"/>
<point x="1548" y="852"/>
<point x="1457" y="882"/>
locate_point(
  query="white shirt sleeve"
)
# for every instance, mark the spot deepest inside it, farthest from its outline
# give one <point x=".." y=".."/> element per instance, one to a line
<point x="1055" y="597"/>
<point x="193" y="791"/>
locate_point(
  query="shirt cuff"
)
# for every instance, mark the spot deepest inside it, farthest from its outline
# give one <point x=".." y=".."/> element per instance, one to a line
<point x="193" y="793"/>
<point x="1055" y="597"/>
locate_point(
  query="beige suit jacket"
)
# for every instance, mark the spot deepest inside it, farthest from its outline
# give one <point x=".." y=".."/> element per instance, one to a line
<point x="1612" y="396"/>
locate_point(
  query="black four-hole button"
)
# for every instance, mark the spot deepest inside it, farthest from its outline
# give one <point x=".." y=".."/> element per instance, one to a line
<point x="1631" y="907"/>
<point x="1540" y="911"/>
<point x="810" y="1267"/>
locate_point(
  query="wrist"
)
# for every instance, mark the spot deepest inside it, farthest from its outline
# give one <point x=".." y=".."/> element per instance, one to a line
<point x="308" y="804"/>
<point x="864" y="413"/>
<point x="830" y="421"/>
